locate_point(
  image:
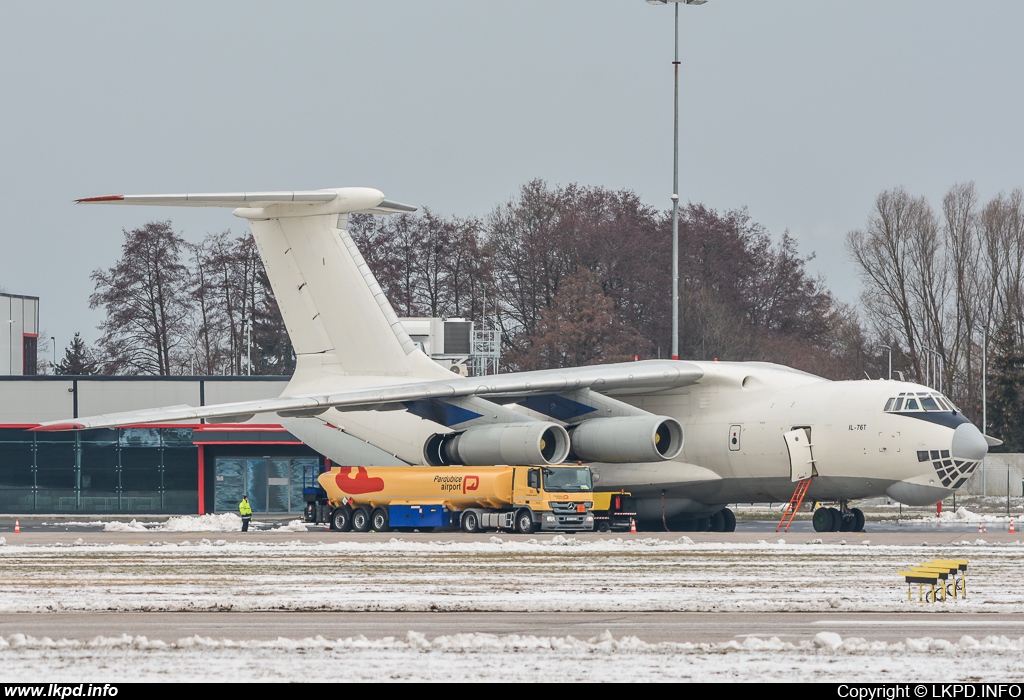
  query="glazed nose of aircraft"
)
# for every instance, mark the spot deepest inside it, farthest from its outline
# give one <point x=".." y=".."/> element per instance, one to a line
<point x="968" y="443"/>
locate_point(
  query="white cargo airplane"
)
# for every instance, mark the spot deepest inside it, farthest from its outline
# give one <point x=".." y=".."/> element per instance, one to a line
<point x="363" y="393"/>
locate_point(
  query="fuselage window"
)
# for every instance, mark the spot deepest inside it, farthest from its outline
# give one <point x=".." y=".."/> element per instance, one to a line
<point x="912" y="405"/>
<point x="922" y="456"/>
<point x="928" y="403"/>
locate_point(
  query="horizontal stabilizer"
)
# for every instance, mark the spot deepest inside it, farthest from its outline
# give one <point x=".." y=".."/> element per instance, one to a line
<point x="346" y="199"/>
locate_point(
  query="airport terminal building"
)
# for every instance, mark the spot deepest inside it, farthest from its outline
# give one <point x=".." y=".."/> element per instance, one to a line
<point x="148" y="469"/>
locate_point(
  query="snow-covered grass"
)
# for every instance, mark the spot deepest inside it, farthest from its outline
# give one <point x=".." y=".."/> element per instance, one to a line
<point x="510" y="658"/>
<point x="559" y="574"/>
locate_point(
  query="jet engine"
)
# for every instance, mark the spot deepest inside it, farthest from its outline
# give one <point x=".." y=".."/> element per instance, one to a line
<point x="535" y="442"/>
<point x="628" y="439"/>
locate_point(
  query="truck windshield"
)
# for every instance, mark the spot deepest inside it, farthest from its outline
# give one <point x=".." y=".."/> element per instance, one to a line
<point x="573" y="479"/>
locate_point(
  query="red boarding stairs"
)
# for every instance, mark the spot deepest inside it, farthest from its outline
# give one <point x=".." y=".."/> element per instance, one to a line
<point x="794" y="504"/>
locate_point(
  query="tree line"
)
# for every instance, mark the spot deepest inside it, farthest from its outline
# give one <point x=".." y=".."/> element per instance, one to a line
<point x="574" y="275"/>
<point x="178" y="308"/>
<point x="570" y="275"/>
<point x="944" y="290"/>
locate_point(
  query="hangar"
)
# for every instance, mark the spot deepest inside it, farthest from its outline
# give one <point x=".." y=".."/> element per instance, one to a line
<point x="150" y="469"/>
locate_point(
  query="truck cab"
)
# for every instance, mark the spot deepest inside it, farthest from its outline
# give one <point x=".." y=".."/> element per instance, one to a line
<point x="614" y="511"/>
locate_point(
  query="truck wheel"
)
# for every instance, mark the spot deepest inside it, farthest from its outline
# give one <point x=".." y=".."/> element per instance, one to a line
<point x="524" y="522"/>
<point x="470" y="522"/>
<point x="341" y="519"/>
<point x="361" y="519"/>
<point x="603" y="527"/>
<point x="379" y="520"/>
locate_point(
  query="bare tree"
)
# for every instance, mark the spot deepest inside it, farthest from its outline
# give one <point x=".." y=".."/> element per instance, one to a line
<point x="885" y="253"/>
<point x="144" y="296"/>
<point x="964" y="246"/>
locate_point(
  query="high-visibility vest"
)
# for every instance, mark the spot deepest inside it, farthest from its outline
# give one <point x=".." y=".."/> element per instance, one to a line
<point x="244" y="508"/>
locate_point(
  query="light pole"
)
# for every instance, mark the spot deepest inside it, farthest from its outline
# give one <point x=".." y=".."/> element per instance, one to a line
<point x="53" y="345"/>
<point x="937" y="367"/>
<point x="10" y="346"/>
<point x="675" y="178"/>
<point x="890" y="358"/>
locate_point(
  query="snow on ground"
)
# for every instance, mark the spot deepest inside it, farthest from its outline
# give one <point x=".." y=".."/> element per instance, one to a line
<point x="558" y="573"/>
<point x="510" y="658"/>
<point x="220" y="522"/>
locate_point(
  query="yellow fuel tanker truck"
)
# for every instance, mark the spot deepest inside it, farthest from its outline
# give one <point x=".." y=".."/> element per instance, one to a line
<point x="519" y="498"/>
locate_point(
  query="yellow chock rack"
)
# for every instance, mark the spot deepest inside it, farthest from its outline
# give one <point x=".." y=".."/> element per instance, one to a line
<point x="921" y="578"/>
<point x="935" y="573"/>
<point x="958" y="568"/>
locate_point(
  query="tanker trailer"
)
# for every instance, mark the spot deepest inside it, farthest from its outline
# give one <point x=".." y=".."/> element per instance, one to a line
<point x="516" y="498"/>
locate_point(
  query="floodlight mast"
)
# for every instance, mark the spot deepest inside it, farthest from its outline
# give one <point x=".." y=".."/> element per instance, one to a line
<point x="675" y="176"/>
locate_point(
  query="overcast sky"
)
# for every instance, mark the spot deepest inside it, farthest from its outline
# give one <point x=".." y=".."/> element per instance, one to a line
<point x="800" y="110"/>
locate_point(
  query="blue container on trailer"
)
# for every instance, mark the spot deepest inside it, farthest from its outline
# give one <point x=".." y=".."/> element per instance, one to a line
<point x="419" y="516"/>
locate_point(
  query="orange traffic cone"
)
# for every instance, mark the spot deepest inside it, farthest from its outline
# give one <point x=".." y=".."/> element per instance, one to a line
<point x="1012" y="531"/>
<point x="980" y="529"/>
<point x="17" y="525"/>
<point x="632" y="525"/>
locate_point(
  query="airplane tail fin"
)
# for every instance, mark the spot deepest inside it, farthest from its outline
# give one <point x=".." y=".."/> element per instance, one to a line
<point x="339" y="321"/>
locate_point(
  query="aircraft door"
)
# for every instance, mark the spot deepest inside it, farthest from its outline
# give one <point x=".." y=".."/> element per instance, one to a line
<point x="801" y="453"/>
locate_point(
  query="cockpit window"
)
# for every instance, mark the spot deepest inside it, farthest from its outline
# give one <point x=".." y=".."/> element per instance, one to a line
<point x="920" y="401"/>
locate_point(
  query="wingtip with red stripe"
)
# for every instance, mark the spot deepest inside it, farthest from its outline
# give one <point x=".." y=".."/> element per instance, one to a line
<point x="66" y="425"/>
<point x="104" y="198"/>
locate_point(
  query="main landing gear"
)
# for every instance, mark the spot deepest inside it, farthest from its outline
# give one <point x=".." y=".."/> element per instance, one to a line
<point x="721" y="521"/>
<point x="842" y="519"/>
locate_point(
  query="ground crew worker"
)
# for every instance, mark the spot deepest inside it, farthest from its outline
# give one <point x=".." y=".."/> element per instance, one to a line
<point x="245" y="510"/>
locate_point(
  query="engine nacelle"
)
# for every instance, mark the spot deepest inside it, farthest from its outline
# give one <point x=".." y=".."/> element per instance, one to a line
<point x="534" y="442"/>
<point x="628" y="439"/>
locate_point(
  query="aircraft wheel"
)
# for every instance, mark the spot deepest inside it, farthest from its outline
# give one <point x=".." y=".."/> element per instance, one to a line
<point x="524" y="522"/>
<point x="716" y="523"/>
<point x="730" y="520"/>
<point x="858" y="519"/>
<point x="822" y="520"/>
<point x="837" y="519"/>
<point x="470" y="522"/>
<point x="361" y="519"/>
<point x="846" y="522"/>
<point x="379" y="520"/>
<point x="341" y="519"/>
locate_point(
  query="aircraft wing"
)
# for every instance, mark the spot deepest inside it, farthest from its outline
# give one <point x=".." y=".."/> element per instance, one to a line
<point x="650" y="375"/>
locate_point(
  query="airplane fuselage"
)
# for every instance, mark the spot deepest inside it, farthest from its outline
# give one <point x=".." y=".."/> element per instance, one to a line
<point x="734" y="421"/>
